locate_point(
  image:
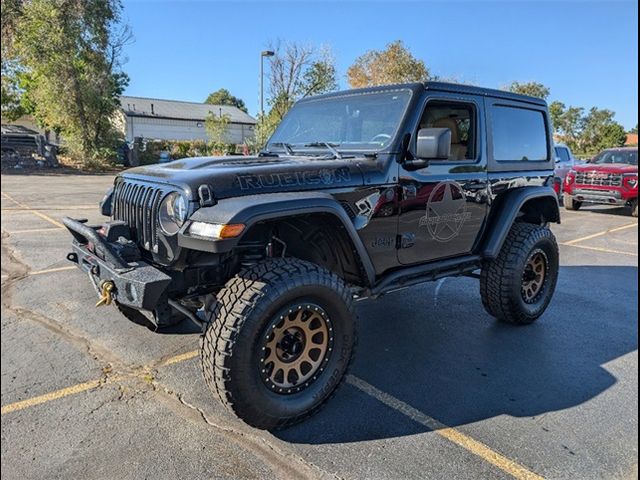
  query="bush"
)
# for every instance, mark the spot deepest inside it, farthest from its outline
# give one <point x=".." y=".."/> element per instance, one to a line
<point x="149" y="151"/>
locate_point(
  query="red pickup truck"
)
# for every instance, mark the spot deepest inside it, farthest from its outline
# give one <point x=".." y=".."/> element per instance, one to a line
<point x="610" y="178"/>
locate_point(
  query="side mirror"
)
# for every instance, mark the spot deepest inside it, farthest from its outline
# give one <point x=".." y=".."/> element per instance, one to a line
<point x="433" y="144"/>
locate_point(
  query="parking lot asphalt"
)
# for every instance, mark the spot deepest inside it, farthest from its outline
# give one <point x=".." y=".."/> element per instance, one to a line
<point x="438" y="389"/>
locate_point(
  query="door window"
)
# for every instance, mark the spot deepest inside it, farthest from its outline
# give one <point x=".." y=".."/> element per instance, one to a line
<point x="519" y="134"/>
<point x="563" y="154"/>
<point x="460" y="118"/>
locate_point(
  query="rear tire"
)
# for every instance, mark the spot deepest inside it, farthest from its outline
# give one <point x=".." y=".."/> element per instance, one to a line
<point x="518" y="285"/>
<point x="258" y="319"/>
<point x="570" y="203"/>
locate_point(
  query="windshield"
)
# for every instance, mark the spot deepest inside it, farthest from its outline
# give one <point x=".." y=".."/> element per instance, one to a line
<point x="362" y="121"/>
<point x="629" y="157"/>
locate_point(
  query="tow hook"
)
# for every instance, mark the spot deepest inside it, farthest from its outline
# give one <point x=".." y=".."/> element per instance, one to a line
<point x="106" y="293"/>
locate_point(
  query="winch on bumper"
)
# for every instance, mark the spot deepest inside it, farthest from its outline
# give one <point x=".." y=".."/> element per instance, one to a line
<point x="107" y="255"/>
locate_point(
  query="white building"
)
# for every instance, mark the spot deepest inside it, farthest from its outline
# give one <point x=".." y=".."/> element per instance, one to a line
<point x="156" y="119"/>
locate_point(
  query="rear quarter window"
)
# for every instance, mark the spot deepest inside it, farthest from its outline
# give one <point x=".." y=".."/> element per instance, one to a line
<point x="519" y="134"/>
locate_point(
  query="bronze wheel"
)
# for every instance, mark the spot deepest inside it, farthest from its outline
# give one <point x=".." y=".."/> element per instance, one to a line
<point x="534" y="276"/>
<point x="296" y="348"/>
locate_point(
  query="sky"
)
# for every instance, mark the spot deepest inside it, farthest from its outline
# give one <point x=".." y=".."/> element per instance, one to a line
<point x="585" y="52"/>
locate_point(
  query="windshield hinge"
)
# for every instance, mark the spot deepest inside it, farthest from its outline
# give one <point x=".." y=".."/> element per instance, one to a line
<point x="205" y="196"/>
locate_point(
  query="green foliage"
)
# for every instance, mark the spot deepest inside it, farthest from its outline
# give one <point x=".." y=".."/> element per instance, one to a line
<point x="601" y="131"/>
<point x="217" y="128"/>
<point x="568" y="123"/>
<point x="394" y="64"/>
<point x="177" y="149"/>
<point x="264" y="129"/>
<point x="634" y="129"/>
<point x="586" y="133"/>
<point x="70" y="56"/>
<point x="11" y="94"/>
<point x="533" y="89"/>
<point x="224" y="97"/>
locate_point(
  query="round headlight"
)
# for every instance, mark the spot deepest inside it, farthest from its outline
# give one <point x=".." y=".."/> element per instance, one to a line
<point x="172" y="213"/>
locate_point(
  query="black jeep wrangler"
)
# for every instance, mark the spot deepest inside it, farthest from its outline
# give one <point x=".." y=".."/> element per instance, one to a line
<point x="356" y="194"/>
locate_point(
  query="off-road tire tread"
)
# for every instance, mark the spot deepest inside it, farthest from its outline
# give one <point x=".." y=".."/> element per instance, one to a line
<point x="497" y="276"/>
<point x="238" y="300"/>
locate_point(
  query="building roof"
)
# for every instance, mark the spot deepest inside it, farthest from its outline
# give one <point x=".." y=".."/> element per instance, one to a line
<point x="632" y="139"/>
<point x="177" y="110"/>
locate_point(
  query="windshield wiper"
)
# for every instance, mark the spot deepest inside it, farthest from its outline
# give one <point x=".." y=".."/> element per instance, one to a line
<point x="285" y="146"/>
<point x="328" y="146"/>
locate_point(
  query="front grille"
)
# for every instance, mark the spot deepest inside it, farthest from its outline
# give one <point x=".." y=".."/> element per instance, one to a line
<point x="599" y="179"/>
<point x="137" y="205"/>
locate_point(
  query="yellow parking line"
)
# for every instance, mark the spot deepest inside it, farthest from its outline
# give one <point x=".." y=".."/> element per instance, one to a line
<point x="47" y="218"/>
<point x="48" y="397"/>
<point x="474" y="446"/>
<point x="55" y="207"/>
<point x="35" y="212"/>
<point x="35" y="230"/>
<point x="599" y="234"/>
<point x="600" y="249"/>
<point x="82" y="387"/>
<point x="179" y="358"/>
<point x="53" y="270"/>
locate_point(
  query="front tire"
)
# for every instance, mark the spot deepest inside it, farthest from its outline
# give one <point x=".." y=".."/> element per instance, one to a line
<point x="570" y="203"/>
<point x="279" y="341"/>
<point x="518" y="285"/>
<point x="634" y="208"/>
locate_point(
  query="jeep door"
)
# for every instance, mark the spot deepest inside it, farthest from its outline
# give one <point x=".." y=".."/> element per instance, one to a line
<point x="443" y="205"/>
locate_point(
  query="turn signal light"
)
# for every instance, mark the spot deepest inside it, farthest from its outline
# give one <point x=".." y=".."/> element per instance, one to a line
<point x="215" y="230"/>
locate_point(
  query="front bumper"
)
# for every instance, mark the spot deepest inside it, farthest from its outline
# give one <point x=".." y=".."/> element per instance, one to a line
<point x="605" y="197"/>
<point x="137" y="284"/>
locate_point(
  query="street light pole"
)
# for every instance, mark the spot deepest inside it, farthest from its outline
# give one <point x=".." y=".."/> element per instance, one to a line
<point x="266" y="53"/>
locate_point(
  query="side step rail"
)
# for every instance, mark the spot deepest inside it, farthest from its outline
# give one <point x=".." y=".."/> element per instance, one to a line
<point x="425" y="273"/>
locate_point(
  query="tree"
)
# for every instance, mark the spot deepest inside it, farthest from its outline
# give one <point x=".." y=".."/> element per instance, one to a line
<point x="394" y="64"/>
<point x="296" y="71"/>
<point x="533" y="89"/>
<point x="12" y="93"/>
<point x="224" y="97"/>
<point x="556" y="111"/>
<point x="217" y="128"/>
<point x="601" y="131"/>
<point x="10" y="69"/>
<point x="634" y="129"/>
<point x="567" y="123"/>
<point x="70" y="53"/>
<point x="572" y="124"/>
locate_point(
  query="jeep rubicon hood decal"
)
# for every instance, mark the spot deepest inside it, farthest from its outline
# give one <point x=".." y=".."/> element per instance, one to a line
<point x="233" y="176"/>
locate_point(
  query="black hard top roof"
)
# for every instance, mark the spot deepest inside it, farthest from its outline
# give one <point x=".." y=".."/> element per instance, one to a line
<point x="441" y="87"/>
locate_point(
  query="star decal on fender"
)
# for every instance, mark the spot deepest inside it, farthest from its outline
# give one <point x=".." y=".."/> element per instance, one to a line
<point x="446" y="211"/>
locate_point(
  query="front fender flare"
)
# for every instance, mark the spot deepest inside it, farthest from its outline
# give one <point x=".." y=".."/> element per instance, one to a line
<point x="251" y="209"/>
<point x="505" y="212"/>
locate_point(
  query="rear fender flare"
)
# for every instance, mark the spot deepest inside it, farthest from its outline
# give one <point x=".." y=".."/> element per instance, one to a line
<point x="506" y="210"/>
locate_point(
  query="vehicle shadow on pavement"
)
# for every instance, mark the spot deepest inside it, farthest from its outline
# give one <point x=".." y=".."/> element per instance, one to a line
<point x="434" y="348"/>
<point x="606" y="210"/>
